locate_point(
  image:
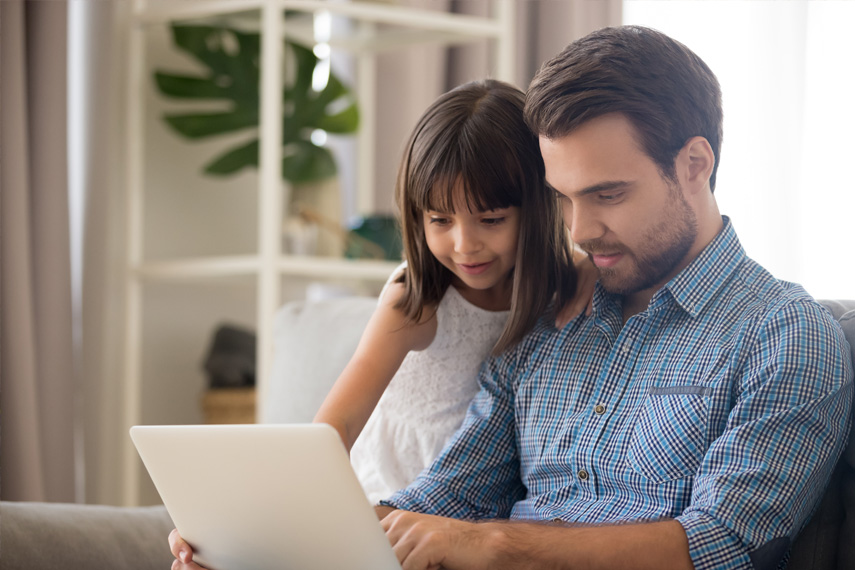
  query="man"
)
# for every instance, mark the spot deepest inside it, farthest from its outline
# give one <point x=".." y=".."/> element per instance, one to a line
<point x="694" y="417"/>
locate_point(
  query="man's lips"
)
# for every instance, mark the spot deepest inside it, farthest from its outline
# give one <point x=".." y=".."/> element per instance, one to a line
<point x="474" y="268"/>
<point x="605" y="260"/>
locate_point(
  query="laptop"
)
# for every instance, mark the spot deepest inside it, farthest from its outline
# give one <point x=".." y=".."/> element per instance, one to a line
<point x="264" y="497"/>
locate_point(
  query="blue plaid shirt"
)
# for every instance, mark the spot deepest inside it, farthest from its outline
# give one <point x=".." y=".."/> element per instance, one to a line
<point x="724" y="405"/>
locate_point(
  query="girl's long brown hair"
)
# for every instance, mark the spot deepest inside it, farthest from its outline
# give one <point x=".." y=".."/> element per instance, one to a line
<point x="475" y="134"/>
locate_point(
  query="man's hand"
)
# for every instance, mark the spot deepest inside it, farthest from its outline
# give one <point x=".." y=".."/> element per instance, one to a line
<point x="182" y="552"/>
<point x="428" y="542"/>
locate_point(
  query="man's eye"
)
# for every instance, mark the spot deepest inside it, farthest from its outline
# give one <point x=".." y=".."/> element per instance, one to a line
<point x="609" y="197"/>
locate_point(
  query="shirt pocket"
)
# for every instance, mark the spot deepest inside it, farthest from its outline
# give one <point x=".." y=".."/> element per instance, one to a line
<point x="669" y="437"/>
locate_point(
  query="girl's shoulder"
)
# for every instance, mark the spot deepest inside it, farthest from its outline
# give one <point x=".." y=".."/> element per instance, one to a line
<point x="420" y="334"/>
<point x="393" y="279"/>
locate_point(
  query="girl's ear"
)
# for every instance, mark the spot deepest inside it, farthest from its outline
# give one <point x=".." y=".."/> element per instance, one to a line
<point x="695" y="164"/>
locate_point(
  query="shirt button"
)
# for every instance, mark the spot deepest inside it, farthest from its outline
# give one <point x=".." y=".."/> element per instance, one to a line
<point x="599" y="409"/>
<point x="583" y="475"/>
<point x="556" y="520"/>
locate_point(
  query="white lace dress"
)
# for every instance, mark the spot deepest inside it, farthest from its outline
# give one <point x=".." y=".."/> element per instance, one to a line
<point x="426" y="400"/>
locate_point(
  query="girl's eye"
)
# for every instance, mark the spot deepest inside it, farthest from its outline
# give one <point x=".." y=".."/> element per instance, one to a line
<point x="493" y="221"/>
<point x="438" y="221"/>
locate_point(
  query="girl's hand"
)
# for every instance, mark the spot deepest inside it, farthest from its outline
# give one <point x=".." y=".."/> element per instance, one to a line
<point x="182" y="552"/>
<point x="583" y="300"/>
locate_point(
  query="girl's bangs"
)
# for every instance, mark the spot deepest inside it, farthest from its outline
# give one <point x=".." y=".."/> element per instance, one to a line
<point x="487" y="186"/>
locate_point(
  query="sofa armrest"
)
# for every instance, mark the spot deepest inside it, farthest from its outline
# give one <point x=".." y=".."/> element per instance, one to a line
<point x="846" y="551"/>
<point x="46" y="536"/>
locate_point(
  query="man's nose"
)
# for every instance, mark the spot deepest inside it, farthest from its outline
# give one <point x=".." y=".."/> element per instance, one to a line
<point x="584" y="226"/>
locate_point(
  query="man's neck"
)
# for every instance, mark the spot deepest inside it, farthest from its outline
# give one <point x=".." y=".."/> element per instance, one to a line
<point x="636" y="302"/>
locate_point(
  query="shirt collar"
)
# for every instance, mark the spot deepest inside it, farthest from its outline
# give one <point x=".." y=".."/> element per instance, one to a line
<point x="695" y="285"/>
<point x="698" y="283"/>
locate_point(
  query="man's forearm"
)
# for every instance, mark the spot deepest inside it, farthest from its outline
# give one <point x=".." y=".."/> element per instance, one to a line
<point x="630" y="546"/>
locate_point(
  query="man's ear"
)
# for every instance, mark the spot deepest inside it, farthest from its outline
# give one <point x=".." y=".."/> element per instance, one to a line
<point x="695" y="164"/>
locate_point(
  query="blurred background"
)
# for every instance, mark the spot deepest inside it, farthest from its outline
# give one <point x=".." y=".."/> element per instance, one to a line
<point x="173" y="172"/>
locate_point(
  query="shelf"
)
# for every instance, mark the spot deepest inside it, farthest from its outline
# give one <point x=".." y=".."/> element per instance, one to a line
<point x="153" y="12"/>
<point x="337" y="268"/>
<point x="378" y="41"/>
<point x="433" y="20"/>
<point x="377" y="26"/>
<point x="250" y="265"/>
<point x="403" y="16"/>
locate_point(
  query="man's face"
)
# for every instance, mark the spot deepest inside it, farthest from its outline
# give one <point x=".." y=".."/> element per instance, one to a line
<point x="635" y="224"/>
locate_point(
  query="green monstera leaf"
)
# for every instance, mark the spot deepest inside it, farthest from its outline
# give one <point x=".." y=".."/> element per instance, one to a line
<point x="232" y="70"/>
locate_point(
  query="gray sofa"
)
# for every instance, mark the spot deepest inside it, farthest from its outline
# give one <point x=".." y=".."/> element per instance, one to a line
<point x="314" y="341"/>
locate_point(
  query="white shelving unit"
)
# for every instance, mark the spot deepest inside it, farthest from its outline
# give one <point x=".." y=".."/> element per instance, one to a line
<point x="382" y="26"/>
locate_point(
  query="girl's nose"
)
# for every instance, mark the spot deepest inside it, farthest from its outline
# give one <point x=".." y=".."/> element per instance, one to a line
<point x="466" y="239"/>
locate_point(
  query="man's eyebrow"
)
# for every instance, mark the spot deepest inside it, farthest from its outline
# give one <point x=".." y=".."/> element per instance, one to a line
<point x="607" y="186"/>
<point x="604" y="187"/>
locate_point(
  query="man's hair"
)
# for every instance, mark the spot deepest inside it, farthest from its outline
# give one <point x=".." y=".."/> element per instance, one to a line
<point x="474" y="137"/>
<point x="666" y="91"/>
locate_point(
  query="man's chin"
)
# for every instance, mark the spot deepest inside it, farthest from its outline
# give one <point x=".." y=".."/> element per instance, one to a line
<point x="611" y="282"/>
<point x="617" y="284"/>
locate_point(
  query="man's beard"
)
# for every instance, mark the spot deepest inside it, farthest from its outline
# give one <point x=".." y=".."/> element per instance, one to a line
<point x="665" y="245"/>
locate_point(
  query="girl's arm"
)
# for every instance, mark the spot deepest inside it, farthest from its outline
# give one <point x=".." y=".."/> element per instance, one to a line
<point x="384" y="344"/>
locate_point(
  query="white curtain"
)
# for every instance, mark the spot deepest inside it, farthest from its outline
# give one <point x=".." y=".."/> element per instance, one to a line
<point x="60" y="303"/>
<point x="786" y="74"/>
<point x="96" y="156"/>
<point x="40" y="420"/>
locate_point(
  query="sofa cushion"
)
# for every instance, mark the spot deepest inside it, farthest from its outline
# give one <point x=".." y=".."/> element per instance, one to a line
<point x="312" y="340"/>
<point x="83" y="537"/>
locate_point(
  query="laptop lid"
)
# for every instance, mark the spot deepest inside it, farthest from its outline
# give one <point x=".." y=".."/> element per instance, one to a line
<point x="263" y="497"/>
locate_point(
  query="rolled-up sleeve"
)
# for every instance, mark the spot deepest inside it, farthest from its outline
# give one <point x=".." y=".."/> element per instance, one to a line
<point x="762" y="478"/>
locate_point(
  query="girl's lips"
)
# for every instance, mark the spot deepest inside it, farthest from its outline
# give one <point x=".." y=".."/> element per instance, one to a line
<point x="474" y="268"/>
<point x="604" y="261"/>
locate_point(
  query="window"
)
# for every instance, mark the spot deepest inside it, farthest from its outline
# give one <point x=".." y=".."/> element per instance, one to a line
<point x="789" y="127"/>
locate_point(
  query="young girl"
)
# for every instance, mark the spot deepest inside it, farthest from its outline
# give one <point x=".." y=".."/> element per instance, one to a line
<point x="486" y="255"/>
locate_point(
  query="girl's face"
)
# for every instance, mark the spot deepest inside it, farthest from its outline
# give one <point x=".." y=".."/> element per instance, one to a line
<point x="479" y="248"/>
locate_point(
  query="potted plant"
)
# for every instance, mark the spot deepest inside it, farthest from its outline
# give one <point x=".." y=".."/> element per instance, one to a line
<point x="232" y="64"/>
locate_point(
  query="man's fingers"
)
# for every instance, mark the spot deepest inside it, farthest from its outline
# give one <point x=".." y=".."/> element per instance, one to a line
<point x="399" y="527"/>
<point x="409" y="548"/>
<point x="420" y="542"/>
